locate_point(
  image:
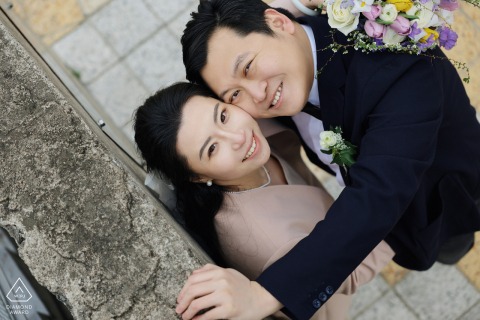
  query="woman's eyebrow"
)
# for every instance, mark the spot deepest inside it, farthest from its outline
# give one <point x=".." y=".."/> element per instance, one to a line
<point x="203" y="147"/>
<point x="215" y="116"/>
<point x="215" y="112"/>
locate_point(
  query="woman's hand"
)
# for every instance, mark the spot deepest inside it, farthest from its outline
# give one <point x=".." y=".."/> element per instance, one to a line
<point x="224" y="294"/>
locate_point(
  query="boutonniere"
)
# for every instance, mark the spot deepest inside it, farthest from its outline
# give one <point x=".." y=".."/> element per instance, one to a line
<point x="342" y="151"/>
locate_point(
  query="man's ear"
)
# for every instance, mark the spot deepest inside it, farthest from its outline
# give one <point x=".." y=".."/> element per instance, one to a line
<point x="279" y="21"/>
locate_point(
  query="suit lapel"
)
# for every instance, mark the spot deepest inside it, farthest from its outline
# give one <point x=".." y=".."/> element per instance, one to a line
<point x="331" y="73"/>
<point x="331" y="77"/>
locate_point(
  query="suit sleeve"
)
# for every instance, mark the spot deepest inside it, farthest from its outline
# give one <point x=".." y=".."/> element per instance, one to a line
<point x="364" y="273"/>
<point x="398" y="146"/>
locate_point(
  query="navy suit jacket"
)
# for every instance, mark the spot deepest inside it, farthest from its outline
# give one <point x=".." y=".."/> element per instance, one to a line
<point x="416" y="176"/>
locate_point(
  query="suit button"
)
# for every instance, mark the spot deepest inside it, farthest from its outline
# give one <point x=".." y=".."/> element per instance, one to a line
<point x="322" y="296"/>
<point x="316" y="303"/>
<point x="329" y="290"/>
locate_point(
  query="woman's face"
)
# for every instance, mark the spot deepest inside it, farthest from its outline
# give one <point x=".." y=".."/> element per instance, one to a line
<point x="221" y="142"/>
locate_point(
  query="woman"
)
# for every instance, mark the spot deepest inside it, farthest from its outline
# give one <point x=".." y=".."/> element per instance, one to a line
<point x="246" y="204"/>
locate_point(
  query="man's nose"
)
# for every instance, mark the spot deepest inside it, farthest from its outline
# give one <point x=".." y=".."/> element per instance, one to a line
<point x="257" y="89"/>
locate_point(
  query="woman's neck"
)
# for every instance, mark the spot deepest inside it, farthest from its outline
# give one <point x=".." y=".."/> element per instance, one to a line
<point x="275" y="169"/>
<point x="269" y="174"/>
<point x="256" y="179"/>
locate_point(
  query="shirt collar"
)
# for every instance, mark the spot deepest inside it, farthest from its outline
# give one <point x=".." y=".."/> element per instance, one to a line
<point x="313" y="97"/>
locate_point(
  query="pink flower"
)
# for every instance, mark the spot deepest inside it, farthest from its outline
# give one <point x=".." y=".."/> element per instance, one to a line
<point x="449" y="5"/>
<point x="401" y="25"/>
<point x="373" y="13"/>
<point x="374" y="29"/>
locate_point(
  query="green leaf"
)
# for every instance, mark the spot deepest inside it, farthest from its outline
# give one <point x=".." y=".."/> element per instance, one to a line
<point x="380" y="21"/>
<point x="409" y="17"/>
<point x="326" y="151"/>
<point x="337" y="129"/>
<point x="336" y="159"/>
<point x="347" y="158"/>
<point x="350" y="145"/>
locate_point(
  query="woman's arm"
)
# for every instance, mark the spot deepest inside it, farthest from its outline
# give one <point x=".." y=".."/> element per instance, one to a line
<point x="368" y="269"/>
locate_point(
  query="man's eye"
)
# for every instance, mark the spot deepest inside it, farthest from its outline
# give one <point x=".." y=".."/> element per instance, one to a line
<point x="247" y="68"/>
<point x="211" y="149"/>
<point x="234" y="96"/>
<point x="223" y="116"/>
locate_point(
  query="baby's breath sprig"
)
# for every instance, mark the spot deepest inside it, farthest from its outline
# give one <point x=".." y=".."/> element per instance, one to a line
<point x="475" y="3"/>
<point x="362" y="42"/>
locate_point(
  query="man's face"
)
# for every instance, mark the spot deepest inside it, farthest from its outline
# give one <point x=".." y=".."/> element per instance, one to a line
<point x="264" y="75"/>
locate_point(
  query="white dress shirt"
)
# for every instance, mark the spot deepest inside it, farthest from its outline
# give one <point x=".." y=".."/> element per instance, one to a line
<point x="309" y="126"/>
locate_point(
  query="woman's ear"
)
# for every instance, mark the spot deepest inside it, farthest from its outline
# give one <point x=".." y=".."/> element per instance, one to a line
<point x="202" y="180"/>
<point x="278" y="21"/>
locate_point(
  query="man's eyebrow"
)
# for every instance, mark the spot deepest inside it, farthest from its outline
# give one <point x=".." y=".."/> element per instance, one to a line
<point x="215" y="113"/>
<point x="237" y="64"/>
<point x="239" y="61"/>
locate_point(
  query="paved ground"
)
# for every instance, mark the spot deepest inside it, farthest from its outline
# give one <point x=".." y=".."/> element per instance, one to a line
<point x="114" y="53"/>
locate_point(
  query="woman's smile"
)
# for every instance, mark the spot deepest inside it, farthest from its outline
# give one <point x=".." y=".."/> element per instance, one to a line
<point x="251" y="150"/>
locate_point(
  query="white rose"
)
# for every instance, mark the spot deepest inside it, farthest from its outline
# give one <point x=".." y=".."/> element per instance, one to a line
<point x="392" y="37"/>
<point x="424" y="12"/>
<point x="389" y="13"/>
<point x="441" y="17"/>
<point x="327" y="139"/>
<point x="342" y="19"/>
<point x="361" y="6"/>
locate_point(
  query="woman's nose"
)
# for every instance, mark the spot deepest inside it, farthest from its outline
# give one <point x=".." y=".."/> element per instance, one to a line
<point x="236" y="138"/>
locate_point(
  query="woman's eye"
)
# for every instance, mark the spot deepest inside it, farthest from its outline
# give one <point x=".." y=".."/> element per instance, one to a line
<point x="211" y="149"/>
<point x="234" y="96"/>
<point x="223" y="116"/>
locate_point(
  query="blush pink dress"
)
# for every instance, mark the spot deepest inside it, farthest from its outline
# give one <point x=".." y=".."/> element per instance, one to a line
<point x="259" y="226"/>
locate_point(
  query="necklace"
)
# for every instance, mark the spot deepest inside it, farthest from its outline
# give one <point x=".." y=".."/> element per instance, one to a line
<point x="262" y="186"/>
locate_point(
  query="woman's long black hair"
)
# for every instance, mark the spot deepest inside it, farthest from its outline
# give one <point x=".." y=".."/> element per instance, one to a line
<point x="156" y="125"/>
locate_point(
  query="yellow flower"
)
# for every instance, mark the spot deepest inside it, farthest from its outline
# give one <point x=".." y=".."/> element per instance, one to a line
<point x="429" y="32"/>
<point x="402" y="5"/>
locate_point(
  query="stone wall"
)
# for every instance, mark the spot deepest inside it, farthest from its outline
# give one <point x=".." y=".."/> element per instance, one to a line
<point x="86" y="227"/>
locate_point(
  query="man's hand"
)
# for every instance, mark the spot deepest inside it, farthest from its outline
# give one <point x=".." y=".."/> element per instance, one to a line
<point x="224" y="294"/>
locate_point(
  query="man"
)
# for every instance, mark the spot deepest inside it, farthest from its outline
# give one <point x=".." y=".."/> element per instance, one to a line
<point x="416" y="179"/>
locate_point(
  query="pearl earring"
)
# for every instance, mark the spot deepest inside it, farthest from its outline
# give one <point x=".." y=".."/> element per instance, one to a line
<point x="209" y="183"/>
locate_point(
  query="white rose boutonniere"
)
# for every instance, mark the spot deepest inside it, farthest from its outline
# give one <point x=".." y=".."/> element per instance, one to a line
<point x="342" y="151"/>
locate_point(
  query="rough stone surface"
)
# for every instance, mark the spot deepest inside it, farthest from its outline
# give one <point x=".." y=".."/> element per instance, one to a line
<point x="85" y="226"/>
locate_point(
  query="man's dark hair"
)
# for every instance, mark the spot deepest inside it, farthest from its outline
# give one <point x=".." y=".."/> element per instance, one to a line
<point x="240" y="16"/>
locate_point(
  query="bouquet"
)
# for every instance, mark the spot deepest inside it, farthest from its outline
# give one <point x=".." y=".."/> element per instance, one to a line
<point x="412" y="26"/>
